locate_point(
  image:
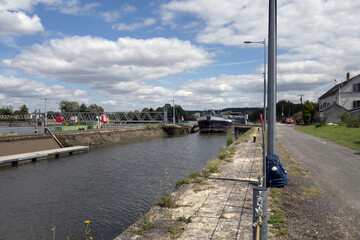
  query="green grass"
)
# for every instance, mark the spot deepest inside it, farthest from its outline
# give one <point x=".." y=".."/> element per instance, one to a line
<point x="348" y="137"/>
<point x="278" y="221"/>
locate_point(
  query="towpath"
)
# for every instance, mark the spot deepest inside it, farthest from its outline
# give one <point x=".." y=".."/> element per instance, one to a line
<point x="218" y="208"/>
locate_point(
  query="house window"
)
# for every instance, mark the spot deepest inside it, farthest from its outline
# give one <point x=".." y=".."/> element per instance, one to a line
<point x="356" y="104"/>
<point x="356" y="87"/>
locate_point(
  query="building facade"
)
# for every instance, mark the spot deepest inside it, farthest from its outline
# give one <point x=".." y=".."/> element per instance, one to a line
<point x="345" y="95"/>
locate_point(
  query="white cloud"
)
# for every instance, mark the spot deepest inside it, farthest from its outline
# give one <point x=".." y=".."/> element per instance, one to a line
<point x="18" y="23"/>
<point x="131" y="27"/>
<point x="104" y="64"/>
<point x="317" y="39"/>
<point x="19" y="91"/>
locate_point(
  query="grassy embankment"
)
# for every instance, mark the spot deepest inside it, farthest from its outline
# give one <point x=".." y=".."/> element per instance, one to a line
<point x="348" y="137"/>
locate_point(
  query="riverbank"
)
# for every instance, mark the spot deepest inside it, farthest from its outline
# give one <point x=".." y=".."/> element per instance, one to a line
<point x="24" y="143"/>
<point x="212" y="203"/>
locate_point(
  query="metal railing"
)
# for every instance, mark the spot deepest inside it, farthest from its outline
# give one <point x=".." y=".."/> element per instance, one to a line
<point x="92" y="117"/>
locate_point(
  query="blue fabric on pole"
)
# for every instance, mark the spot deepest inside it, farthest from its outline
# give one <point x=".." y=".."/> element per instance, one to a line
<point x="276" y="175"/>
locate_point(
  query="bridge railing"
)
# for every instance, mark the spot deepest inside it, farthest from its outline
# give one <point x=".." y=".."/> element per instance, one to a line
<point x="114" y="117"/>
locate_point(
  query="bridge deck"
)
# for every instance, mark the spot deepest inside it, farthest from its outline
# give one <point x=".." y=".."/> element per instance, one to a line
<point x="16" y="158"/>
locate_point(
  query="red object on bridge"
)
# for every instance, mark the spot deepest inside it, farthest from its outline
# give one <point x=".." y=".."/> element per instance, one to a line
<point x="103" y="118"/>
<point x="59" y="119"/>
<point x="261" y="118"/>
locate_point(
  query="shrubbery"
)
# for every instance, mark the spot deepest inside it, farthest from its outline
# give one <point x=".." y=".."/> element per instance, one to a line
<point x="349" y="120"/>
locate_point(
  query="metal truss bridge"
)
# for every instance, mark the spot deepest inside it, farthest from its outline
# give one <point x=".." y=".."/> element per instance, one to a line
<point x="92" y="117"/>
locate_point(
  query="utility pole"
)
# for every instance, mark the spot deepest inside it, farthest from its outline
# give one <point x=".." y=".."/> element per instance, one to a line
<point x="301" y="98"/>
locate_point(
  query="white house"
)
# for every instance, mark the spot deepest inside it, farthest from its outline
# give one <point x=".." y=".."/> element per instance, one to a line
<point x="344" y="96"/>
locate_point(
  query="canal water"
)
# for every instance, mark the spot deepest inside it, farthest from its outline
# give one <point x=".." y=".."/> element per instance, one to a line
<point x="111" y="187"/>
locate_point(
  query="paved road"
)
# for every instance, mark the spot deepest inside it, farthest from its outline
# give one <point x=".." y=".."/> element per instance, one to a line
<point x="334" y="168"/>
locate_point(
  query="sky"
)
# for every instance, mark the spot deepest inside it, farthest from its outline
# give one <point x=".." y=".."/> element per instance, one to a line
<point x="125" y="55"/>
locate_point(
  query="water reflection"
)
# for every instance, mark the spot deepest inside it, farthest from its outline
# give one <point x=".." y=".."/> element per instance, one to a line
<point x="109" y="186"/>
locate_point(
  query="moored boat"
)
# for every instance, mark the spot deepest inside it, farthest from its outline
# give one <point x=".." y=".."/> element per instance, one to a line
<point x="213" y="124"/>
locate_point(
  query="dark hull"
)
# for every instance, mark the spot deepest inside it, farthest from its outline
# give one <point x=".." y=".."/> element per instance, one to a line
<point x="215" y="126"/>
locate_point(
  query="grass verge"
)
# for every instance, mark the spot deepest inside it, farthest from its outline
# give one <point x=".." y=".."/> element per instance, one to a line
<point x="348" y="137"/>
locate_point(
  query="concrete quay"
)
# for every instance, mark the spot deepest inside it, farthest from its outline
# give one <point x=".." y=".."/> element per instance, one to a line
<point x="15" y="159"/>
<point x="218" y="208"/>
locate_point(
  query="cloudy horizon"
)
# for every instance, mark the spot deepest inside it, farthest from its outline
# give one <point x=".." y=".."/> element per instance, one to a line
<point x="132" y="55"/>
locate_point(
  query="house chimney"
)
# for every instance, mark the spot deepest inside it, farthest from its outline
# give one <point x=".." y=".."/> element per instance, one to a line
<point x="347" y="76"/>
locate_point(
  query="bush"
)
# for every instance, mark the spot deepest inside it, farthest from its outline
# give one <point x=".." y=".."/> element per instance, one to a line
<point x="319" y="124"/>
<point x="349" y="120"/>
<point x="298" y="118"/>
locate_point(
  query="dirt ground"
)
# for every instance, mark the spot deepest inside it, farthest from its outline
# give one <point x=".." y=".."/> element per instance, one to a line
<point x="310" y="212"/>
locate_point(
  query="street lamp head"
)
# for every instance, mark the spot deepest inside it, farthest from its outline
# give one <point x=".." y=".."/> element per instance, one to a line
<point x="262" y="42"/>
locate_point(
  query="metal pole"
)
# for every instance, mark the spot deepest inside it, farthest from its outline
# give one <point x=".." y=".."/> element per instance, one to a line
<point x="271" y="134"/>
<point x="173" y="111"/>
<point x="264" y="120"/>
<point x="260" y="218"/>
<point x="35" y="122"/>
<point x="264" y="112"/>
<point x="45" y="117"/>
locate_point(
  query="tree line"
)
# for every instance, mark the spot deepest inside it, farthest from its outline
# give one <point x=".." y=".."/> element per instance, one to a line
<point x="302" y="113"/>
<point x="72" y="106"/>
<point x="9" y="111"/>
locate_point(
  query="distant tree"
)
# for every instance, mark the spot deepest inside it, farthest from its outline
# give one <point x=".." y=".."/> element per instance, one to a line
<point x="179" y="111"/>
<point x="23" y="111"/>
<point x="6" y="111"/>
<point x="288" y="107"/>
<point x="255" y="115"/>
<point x="83" y="108"/>
<point x="308" y="109"/>
<point x="95" y="108"/>
<point x="69" y="106"/>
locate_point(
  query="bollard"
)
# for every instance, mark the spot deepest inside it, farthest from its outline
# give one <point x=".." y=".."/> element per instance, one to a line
<point x="254" y="136"/>
<point x="260" y="199"/>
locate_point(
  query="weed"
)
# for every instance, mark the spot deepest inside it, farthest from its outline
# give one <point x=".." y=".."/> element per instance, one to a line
<point x="149" y="127"/>
<point x="287" y="159"/>
<point x="166" y="201"/>
<point x="167" y="214"/>
<point x="194" y="174"/>
<point x="213" y="166"/>
<point x="310" y="192"/>
<point x="182" y="182"/>
<point x="231" y="150"/>
<point x="297" y="171"/>
<point x="278" y="221"/>
<point x="205" y="173"/>
<point x="145" y="224"/>
<point x="229" y="140"/>
<point x="184" y="219"/>
<point x="199" y="180"/>
<point x="87" y="230"/>
<point x="175" y="231"/>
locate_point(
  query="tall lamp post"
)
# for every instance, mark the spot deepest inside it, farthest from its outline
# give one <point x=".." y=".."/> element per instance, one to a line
<point x="264" y="121"/>
<point x="45" y="117"/>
